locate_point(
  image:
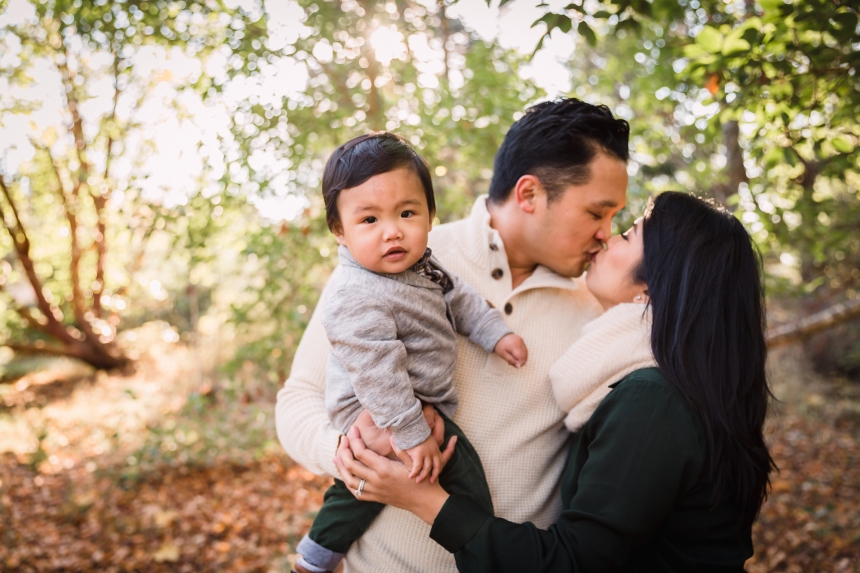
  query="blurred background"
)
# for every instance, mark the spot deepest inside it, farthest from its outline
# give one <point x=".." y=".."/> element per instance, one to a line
<point x="164" y="241"/>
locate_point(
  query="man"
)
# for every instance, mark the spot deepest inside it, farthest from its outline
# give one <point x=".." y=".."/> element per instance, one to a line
<point x="560" y="176"/>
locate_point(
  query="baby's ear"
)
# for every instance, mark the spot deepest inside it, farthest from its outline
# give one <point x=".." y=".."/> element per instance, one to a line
<point x="432" y="216"/>
<point x="337" y="230"/>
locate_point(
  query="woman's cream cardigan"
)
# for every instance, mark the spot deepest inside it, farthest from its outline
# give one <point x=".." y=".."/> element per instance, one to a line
<point x="610" y="347"/>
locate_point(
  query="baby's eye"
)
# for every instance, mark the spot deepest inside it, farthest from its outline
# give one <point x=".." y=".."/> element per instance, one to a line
<point x="369" y="220"/>
<point x="624" y="235"/>
<point x="407" y="214"/>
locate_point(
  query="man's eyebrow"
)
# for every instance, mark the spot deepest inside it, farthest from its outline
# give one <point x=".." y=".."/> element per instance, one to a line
<point x="606" y="203"/>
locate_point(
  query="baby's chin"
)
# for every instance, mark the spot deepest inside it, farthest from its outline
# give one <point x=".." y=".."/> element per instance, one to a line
<point x="392" y="267"/>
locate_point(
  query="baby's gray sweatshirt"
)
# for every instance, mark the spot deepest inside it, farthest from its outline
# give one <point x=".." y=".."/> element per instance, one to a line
<point x="394" y="345"/>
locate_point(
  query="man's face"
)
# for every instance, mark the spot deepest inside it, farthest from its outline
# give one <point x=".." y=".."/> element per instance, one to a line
<point x="566" y="233"/>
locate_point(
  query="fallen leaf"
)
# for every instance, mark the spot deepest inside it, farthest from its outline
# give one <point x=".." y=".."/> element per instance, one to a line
<point x="168" y="552"/>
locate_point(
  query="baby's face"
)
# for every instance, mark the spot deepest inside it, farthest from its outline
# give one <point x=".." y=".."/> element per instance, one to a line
<point x="384" y="222"/>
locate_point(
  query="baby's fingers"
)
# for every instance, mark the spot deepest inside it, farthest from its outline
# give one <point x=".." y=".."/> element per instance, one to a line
<point x="522" y="354"/>
<point x="417" y="467"/>
<point x="511" y="358"/>
<point x="425" y="470"/>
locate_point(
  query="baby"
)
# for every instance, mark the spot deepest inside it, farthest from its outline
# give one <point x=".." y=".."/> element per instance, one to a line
<point x="391" y="315"/>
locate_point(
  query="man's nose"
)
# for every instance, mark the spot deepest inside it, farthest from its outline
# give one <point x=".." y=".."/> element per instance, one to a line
<point x="604" y="232"/>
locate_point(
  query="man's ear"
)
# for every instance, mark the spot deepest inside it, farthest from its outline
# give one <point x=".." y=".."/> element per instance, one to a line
<point x="526" y="193"/>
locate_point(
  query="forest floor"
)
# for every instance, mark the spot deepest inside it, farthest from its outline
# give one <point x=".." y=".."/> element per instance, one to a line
<point x="165" y="470"/>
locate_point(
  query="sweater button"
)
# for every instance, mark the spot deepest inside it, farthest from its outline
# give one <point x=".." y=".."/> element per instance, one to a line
<point x="494" y="247"/>
<point x="509" y="308"/>
<point x="497" y="273"/>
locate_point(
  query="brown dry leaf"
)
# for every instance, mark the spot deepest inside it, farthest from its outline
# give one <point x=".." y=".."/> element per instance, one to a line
<point x="165" y="518"/>
<point x="780" y="486"/>
<point x="167" y="553"/>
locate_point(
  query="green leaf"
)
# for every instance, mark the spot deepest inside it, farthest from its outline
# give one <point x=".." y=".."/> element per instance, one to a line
<point x="630" y="24"/>
<point x="586" y="32"/>
<point x="842" y="145"/>
<point x="710" y="39"/>
<point x="734" y="46"/>
<point x="691" y="51"/>
<point x="564" y="24"/>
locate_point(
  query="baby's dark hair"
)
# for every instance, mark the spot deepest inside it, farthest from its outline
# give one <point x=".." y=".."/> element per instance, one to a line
<point x="361" y="158"/>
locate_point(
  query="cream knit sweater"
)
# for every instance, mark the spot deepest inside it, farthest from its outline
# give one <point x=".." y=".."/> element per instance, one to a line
<point x="610" y="347"/>
<point x="509" y="414"/>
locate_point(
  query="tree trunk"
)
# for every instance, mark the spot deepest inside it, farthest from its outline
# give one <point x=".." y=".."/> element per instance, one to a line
<point x="78" y="340"/>
<point x="734" y="164"/>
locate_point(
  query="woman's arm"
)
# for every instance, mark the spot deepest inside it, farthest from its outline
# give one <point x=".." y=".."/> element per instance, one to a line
<point x="642" y="452"/>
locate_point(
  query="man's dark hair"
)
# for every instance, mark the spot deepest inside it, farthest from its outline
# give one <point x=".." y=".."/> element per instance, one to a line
<point x="556" y="141"/>
<point x="361" y="158"/>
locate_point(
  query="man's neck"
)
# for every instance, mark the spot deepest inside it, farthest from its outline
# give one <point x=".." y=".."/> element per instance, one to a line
<point x="503" y="218"/>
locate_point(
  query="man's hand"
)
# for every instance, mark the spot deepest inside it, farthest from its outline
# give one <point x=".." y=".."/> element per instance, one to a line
<point x="513" y="349"/>
<point x="376" y="440"/>
<point x="426" y="460"/>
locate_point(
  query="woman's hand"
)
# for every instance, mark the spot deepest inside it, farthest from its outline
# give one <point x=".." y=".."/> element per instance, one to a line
<point x="387" y="481"/>
<point x="380" y="440"/>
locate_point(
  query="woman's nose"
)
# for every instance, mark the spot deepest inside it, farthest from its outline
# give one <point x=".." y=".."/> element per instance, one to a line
<point x="612" y="240"/>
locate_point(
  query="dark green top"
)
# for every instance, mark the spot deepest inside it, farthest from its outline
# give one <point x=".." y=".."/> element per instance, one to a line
<point x="634" y="493"/>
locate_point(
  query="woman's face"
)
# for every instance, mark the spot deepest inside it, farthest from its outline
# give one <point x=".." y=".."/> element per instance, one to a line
<point x="610" y="274"/>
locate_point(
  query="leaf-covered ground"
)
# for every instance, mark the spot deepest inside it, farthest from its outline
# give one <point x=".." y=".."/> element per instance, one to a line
<point x="149" y="472"/>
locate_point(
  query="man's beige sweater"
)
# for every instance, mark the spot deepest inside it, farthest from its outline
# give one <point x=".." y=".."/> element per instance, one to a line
<point x="508" y="414"/>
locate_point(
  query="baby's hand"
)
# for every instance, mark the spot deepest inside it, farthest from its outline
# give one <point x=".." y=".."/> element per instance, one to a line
<point x="426" y="460"/>
<point x="512" y="348"/>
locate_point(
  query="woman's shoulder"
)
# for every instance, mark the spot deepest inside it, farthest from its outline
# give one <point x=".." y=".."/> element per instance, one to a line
<point x="646" y="393"/>
<point x="648" y="381"/>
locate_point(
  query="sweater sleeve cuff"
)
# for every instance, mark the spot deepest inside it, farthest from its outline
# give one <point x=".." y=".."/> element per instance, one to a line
<point x="458" y="522"/>
<point x="488" y="334"/>
<point x="412" y="432"/>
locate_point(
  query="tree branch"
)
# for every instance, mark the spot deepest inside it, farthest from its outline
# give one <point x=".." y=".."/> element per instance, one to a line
<point x="71" y="201"/>
<point x="100" y="200"/>
<point x="812" y="324"/>
<point x="22" y="248"/>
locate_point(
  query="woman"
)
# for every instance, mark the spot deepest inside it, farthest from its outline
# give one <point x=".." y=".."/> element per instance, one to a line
<point x="670" y="471"/>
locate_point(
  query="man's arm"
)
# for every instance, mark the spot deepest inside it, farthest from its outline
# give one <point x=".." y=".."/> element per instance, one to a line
<point x="301" y="418"/>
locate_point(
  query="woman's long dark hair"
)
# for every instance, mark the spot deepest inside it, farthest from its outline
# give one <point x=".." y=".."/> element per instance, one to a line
<point x="704" y="282"/>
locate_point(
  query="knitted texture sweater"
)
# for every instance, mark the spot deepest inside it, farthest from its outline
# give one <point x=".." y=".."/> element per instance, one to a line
<point x="508" y="414"/>
<point x="612" y="346"/>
